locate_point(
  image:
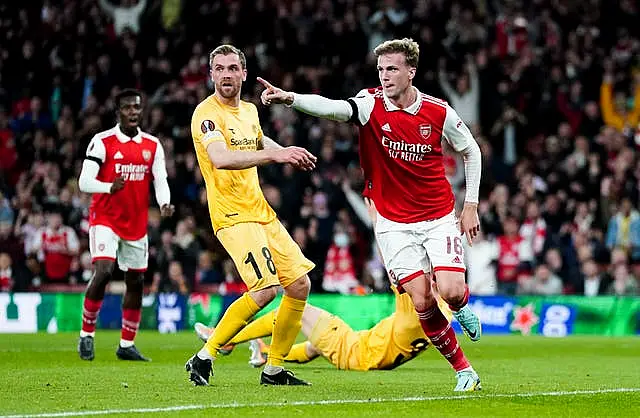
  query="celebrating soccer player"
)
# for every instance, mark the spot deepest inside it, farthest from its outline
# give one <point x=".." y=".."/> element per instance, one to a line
<point x="120" y="164"/>
<point x="230" y="145"/>
<point x="401" y="130"/>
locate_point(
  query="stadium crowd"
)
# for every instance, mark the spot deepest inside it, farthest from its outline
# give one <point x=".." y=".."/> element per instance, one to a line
<point x="550" y="89"/>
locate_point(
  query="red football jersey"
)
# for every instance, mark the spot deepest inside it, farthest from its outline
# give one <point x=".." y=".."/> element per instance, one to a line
<point x="139" y="160"/>
<point x="55" y="247"/>
<point x="508" y="258"/>
<point x="401" y="154"/>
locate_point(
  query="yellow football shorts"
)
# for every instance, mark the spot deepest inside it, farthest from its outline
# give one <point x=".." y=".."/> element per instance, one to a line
<point x="264" y="254"/>
<point x="337" y="342"/>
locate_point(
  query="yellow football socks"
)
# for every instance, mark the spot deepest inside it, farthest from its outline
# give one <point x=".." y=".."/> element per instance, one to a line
<point x="298" y="353"/>
<point x="234" y="319"/>
<point x="285" y="329"/>
<point x="261" y="327"/>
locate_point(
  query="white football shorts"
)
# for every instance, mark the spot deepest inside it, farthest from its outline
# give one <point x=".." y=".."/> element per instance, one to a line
<point x="104" y="244"/>
<point x="411" y="249"/>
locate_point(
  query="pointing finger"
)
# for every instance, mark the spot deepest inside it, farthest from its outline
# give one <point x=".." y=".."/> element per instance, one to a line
<point x="264" y="82"/>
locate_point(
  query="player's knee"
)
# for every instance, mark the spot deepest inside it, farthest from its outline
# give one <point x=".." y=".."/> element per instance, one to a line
<point x="299" y="289"/>
<point x="263" y="297"/>
<point x="103" y="271"/>
<point x="453" y="292"/>
<point x="134" y="280"/>
<point x="423" y="302"/>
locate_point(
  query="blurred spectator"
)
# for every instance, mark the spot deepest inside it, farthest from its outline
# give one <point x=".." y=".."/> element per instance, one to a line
<point x="6" y="211"/>
<point x="465" y="98"/>
<point x="509" y="253"/>
<point x="6" y="273"/>
<point x="187" y="242"/>
<point x="173" y="281"/>
<point x="617" y="111"/>
<point x="125" y="16"/>
<point x="595" y="283"/>
<point x="481" y="260"/>
<point x="206" y="274"/>
<point x="339" y="273"/>
<point x="624" y="230"/>
<point x="374" y="274"/>
<point x="232" y="284"/>
<point x="168" y="251"/>
<point x="624" y="284"/>
<point x="533" y="232"/>
<point x="543" y="282"/>
<point x="56" y="245"/>
<point x="11" y="244"/>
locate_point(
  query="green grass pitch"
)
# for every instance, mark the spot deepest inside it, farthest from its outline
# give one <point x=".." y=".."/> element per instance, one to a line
<point x="521" y="376"/>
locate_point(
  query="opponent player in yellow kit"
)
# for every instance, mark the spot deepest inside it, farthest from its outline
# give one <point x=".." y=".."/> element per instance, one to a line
<point x="229" y="145"/>
<point x="393" y="341"/>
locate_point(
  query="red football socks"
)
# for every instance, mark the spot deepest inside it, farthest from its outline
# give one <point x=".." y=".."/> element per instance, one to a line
<point x="443" y="337"/>
<point x="130" y="323"/>
<point x="90" y="315"/>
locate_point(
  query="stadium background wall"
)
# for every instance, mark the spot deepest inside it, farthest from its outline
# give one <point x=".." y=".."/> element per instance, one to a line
<point x="551" y="316"/>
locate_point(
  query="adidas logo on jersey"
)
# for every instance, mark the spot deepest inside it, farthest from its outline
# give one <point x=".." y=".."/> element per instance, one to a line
<point x="386" y="127"/>
<point x="118" y="156"/>
<point x="456" y="260"/>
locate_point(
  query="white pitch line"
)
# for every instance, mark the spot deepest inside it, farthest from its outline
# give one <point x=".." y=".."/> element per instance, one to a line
<point x="325" y="402"/>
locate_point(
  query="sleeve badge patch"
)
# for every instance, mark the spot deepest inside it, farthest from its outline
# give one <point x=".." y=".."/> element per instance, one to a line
<point x="207" y="126"/>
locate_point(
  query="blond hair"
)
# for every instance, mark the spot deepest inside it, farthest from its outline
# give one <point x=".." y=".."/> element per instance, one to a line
<point x="406" y="46"/>
<point x="227" y="49"/>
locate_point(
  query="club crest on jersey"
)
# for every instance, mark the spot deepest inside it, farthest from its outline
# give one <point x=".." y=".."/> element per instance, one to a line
<point x="146" y="154"/>
<point x="425" y="130"/>
<point x="207" y="126"/>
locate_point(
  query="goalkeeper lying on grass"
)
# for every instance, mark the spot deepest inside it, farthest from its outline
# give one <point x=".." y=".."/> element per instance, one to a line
<point x="395" y="340"/>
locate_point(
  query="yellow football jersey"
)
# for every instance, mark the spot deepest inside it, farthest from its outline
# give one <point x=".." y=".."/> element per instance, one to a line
<point x="397" y="338"/>
<point x="234" y="196"/>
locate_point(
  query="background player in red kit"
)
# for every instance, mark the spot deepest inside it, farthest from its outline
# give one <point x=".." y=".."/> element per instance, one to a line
<point x="401" y="133"/>
<point x="120" y="164"/>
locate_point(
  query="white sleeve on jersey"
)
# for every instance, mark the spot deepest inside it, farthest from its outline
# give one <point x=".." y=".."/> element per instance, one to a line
<point x="320" y="106"/>
<point x="460" y="138"/>
<point x="338" y="110"/>
<point x="364" y="102"/>
<point x="159" y="171"/>
<point x="96" y="149"/>
<point x="88" y="181"/>
<point x="96" y="154"/>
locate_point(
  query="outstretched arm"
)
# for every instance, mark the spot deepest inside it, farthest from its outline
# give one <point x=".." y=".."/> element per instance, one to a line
<point x="312" y="104"/>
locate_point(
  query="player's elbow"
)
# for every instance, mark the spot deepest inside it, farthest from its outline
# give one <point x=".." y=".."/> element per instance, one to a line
<point x="83" y="183"/>
<point x="220" y="162"/>
<point x="220" y="158"/>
